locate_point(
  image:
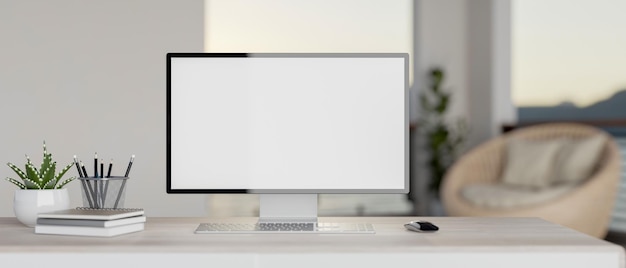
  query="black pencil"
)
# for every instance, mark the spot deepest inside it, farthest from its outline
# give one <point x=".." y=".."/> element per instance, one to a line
<point x="130" y="164"/>
<point x="84" y="183"/>
<point x="101" y="168"/>
<point x="95" y="165"/>
<point x="80" y="172"/>
<point x="110" y="167"/>
<point x="84" y="170"/>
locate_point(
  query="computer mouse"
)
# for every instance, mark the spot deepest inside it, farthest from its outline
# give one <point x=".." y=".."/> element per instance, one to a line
<point x="421" y="226"/>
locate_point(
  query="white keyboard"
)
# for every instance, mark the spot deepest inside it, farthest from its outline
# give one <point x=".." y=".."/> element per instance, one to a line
<point x="285" y="228"/>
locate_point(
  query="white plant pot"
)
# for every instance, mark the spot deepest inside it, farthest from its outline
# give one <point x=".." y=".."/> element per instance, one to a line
<point x="28" y="203"/>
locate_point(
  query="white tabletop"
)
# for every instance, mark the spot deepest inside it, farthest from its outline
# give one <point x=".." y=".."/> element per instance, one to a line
<point x="488" y="242"/>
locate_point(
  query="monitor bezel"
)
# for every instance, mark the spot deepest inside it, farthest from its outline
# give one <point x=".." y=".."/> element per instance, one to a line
<point x="172" y="55"/>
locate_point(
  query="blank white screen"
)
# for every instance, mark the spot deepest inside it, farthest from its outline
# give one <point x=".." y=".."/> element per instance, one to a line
<point x="288" y="123"/>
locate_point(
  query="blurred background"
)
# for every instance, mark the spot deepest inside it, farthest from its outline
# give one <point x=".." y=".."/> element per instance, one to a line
<point x="89" y="76"/>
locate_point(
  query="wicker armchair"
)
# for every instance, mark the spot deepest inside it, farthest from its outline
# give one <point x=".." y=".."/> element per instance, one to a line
<point x="586" y="208"/>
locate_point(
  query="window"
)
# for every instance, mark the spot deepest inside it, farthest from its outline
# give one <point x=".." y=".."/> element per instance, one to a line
<point x="569" y="62"/>
<point x="312" y="26"/>
<point x="567" y="51"/>
<point x="309" y="26"/>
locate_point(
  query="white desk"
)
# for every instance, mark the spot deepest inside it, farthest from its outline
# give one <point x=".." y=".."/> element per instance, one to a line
<point x="461" y="242"/>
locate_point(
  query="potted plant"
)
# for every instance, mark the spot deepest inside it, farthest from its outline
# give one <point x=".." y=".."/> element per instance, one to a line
<point x="40" y="190"/>
<point x="443" y="139"/>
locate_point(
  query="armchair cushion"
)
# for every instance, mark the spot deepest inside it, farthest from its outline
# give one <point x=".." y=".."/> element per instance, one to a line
<point x="577" y="159"/>
<point x="530" y="163"/>
<point x="499" y="195"/>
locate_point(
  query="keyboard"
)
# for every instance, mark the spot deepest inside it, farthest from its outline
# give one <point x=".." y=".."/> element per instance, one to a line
<point x="285" y="228"/>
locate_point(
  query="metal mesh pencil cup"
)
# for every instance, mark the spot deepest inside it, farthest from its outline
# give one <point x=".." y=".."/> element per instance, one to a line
<point x="103" y="192"/>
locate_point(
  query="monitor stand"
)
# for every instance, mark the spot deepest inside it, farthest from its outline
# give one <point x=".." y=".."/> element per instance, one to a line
<point x="288" y="208"/>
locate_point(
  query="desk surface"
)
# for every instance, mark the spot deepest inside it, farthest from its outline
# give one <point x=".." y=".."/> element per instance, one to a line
<point x="485" y="238"/>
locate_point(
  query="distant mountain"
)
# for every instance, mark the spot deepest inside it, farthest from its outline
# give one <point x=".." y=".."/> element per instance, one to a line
<point x="609" y="109"/>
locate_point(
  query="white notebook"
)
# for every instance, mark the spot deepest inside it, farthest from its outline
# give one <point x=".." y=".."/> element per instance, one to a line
<point x="91" y="223"/>
<point x="88" y="231"/>
<point x="92" y="214"/>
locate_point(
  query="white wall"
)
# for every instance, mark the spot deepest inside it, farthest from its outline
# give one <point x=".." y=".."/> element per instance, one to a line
<point x="470" y="40"/>
<point x="489" y="68"/>
<point x="442" y="42"/>
<point x="89" y="76"/>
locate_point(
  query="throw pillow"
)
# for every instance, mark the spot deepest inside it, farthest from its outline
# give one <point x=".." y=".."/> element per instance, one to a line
<point x="577" y="159"/>
<point x="507" y="196"/>
<point x="530" y="163"/>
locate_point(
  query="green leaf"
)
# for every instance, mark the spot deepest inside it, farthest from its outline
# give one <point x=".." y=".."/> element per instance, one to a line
<point x="48" y="174"/>
<point x="443" y="104"/>
<point x="47" y="160"/>
<point x="60" y="175"/>
<point x="18" y="171"/>
<point x="436" y="76"/>
<point x="60" y="185"/>
<point x="50" y="184"/>
<point x="425" y="103"/>
<point x="31" y="184"/>
<point x="33" y="175"/>
<point x="17" y="183"/>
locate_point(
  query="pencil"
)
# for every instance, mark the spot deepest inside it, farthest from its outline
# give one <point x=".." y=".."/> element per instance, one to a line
<point x="110" y="167"/>
<point x="130" y="164"/>
<point x="95" y="165"/>
<point x="84" y="183"/>
<point x="80" y="173"/>
<point x="84" y="170"/>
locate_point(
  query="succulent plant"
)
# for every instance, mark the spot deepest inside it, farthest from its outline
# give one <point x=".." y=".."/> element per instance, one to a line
<point x="44" y="178"/>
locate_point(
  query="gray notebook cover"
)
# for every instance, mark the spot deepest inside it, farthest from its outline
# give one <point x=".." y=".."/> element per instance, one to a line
<point x="92" y="214"/>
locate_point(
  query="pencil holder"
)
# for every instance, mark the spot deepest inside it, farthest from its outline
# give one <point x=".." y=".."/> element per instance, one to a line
<point x="103" y="192"/>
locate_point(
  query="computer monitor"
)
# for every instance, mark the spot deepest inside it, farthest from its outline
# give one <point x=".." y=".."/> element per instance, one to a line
<point x="287" y="126"/>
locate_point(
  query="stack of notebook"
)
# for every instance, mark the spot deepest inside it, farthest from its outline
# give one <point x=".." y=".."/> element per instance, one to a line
<point x="91" y="222"/>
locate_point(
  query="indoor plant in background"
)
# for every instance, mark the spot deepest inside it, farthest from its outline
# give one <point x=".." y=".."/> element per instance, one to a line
<point x="40" y="190"/>
<point x="443" y="139"/>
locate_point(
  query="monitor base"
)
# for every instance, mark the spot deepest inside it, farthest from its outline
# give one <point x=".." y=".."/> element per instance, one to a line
<point x="287" y="207"/>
